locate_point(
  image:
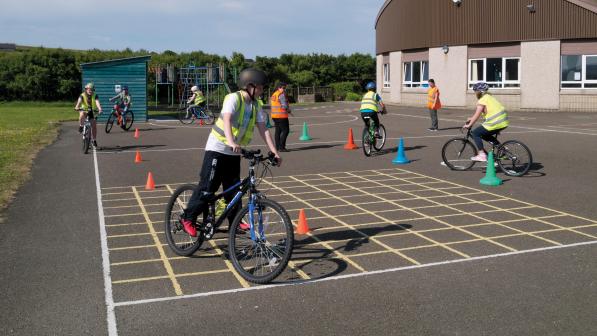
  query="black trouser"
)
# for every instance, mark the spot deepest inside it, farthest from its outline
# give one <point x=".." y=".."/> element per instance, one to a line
<point x="481" y="133"/>
<point x="372" y="115"/>
<point x="217" y="169"/>
<point x="282" y="129"/>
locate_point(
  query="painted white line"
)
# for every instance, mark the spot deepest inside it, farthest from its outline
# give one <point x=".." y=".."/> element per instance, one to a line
<point x="347" y="276"/>
<point x="305" y="143"/>
<point x="511" y="126"/>
<point x="110" y="314"/>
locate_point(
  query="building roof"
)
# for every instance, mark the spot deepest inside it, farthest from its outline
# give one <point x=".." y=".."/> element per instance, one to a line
<point x="119" y="60"/>
<point x="587" y="4"/>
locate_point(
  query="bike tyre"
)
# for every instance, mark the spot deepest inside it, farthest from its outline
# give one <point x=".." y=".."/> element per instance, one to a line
<point x="467" y="149"/>
<point x="110" y="122"/>
<point x="210" y="117"/>
<point x="367" y="145"/>
<point x="511" y="169"/>
<point x="185" y="117"/>
<point x="279" y="252"/>
<point x="379" y="143"/>
<point x="172" y="227"/>
<point x="127" y="120"/>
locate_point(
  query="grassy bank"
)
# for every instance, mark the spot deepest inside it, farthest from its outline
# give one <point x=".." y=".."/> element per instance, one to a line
<point x="25" y="128"/>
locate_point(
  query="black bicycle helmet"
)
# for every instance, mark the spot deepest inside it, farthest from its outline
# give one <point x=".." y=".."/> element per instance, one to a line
<point x="251" y="77"/>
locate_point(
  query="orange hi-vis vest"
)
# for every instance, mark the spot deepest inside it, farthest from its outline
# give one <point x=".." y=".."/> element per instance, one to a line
<point x="278" y="111"/>
<point x="430" y="94"/>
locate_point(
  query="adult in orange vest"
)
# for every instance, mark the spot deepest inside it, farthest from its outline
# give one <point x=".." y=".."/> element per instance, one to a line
<point x="433" y="104"/>
<point x="279" y="113"/>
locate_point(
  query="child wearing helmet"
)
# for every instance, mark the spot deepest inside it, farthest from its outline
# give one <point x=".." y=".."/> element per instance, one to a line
<point x="496" y="119"/>
<point x="241" y="113"/>
<point x="196" y="99"/>
<point x="371" y="104"/>
<point x="123" y="103"/>
<point x="87" y="102"/>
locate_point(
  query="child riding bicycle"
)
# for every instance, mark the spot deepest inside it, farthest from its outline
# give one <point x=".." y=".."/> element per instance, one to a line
<point x="197" y="99"/>
<point x="123" y="103"/>
<point x="496" y="119"/>
<point x="241" y="113"/>
<point x="370" y="106"/>
<point x="87" y="102"/>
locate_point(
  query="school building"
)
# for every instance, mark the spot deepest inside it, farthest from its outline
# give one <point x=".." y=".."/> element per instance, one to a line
<point x="534" y="54"/>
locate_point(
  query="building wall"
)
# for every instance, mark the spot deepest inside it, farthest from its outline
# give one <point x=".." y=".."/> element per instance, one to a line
<point x="450" y="74"/>
<point x="396" y="78"/>
<point x="540" y="78"/>
<point x="106" y="75"/>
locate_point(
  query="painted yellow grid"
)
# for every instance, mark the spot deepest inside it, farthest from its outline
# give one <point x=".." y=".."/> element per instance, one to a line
<point x="405" y="179"/>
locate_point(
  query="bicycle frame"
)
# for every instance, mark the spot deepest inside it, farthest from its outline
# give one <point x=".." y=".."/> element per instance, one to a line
<point x="199" y="112"/>
<point x="247" y="186"/>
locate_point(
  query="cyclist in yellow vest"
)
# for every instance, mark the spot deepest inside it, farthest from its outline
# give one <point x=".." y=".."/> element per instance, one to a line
<point x="88" y="102"/>
<point x="241" y="112"/>
<point x="197" y="99"/>
<point x="370" y="106"/>
<point x="280" y="111"/>
<point x="496" y="119"/>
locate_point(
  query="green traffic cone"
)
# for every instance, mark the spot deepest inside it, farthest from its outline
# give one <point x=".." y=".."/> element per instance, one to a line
<point x="490" y="178"/>
<point x="305" y="136"/>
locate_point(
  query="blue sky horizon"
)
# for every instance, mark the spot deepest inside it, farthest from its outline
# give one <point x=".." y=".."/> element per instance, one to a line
<point x="270" y="28"/>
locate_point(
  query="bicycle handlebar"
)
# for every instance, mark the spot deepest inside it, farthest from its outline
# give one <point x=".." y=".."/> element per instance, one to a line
<point x="258" y="157"/>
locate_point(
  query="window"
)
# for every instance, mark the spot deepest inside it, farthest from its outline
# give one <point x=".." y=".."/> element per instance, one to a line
<point x="386" y="75"/>
<point x="579" y="71"/>
<point x="499" y="72"/>
<point x="416" y="74"/>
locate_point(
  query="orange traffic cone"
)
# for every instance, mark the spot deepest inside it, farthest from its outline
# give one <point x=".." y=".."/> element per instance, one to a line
<point x="150" y="185"/>
<point x="138" y="157"/>
<point x="302" y="227"/>
<point x="350" y="143"/>
<point x="136" y="133"/>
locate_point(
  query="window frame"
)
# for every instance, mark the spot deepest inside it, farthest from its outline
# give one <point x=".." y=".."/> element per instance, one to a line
<point x="423" y="81"/>
<point x="583" y="76"/>
<point x="503" y="84"/>
<point x="386" y="76"/>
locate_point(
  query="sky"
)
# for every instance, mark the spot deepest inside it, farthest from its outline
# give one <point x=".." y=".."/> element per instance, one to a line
<point x="251" y="27"/>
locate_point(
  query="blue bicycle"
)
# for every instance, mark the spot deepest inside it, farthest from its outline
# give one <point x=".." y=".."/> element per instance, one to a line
<point x="188" y="115"/>
<point x="260" y="238"/>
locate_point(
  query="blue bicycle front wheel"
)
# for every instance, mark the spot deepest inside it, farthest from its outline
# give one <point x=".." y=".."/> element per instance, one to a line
<point x="186" y="116"/>
<point x="260" y="252"/>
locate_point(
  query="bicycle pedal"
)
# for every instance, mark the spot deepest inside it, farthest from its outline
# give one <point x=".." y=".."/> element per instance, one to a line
<point x="208" y="231"/>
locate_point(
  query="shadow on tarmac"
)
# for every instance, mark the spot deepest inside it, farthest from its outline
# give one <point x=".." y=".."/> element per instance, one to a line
<point x="395" y="149"/>
<point x="124" y="148"/>
<point x="313" y="147"/>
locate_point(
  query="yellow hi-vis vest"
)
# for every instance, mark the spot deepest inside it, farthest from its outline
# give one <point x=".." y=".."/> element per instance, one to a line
<point x="242" y="125"/>
<point x="369" y="102"/>
<point x="86" y="103"/>
<point x="495" y="115"/>
<point x="199" y="98"/>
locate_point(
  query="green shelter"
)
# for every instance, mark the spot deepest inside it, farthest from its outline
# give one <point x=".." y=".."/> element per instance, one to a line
<point x="110" y="76"/>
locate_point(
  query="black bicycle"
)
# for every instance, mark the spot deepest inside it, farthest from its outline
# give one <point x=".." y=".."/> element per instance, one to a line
<point x="513" y="157"/>
<point x="260" y="238"/>
<point x="374" y="136"/>
<point x="188" y="115"/>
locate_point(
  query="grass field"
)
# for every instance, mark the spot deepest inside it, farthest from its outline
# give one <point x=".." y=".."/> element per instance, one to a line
<point x="25" y="128"/>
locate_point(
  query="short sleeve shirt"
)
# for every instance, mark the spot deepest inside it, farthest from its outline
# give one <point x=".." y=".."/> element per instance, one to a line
<point x="229" y="107"/>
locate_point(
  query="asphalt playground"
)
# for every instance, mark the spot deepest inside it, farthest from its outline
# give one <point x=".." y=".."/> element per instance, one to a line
<point x="412" y="249"/>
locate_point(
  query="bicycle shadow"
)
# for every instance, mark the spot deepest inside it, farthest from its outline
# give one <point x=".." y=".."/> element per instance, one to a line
<point x="320" y="263"/>
<point x="395" y="149"/>
<point x="151" y="129"/>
